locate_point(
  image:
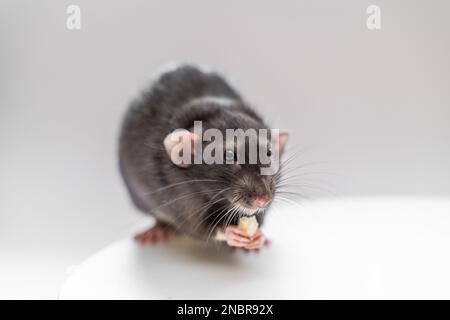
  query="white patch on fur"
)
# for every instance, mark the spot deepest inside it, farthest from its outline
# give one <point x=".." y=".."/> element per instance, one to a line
<point x="220" y="236"/>
<point x="174" y="65"/>
<point x="162" y="70"/>
<point x="205" y="68"/>
<point x="222" y="101"/>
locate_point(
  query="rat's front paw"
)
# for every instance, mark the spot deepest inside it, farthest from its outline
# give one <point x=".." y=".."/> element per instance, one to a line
<point x="256" y="242"/>
<point x="235" y="237"/>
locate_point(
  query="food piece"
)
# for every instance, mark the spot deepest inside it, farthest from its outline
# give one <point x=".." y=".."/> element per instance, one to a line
<point x="249" y="225"/>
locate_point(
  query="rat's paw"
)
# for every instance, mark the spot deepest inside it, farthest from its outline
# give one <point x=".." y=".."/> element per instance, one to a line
<point x="157" y="233"/>
<point x="257" y="241"/>
<point x="235" y="237"/>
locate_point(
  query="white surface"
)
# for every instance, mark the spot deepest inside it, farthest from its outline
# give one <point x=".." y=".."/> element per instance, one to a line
<point x="366" y="248"/>
<point x="32" y="274"/>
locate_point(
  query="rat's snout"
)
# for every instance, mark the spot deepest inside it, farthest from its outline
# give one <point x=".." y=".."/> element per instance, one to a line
<point x="260" y="201"/>
<point x="255" y="192"/>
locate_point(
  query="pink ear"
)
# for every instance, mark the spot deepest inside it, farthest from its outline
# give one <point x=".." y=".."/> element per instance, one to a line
<point x="280" y="142"/>
<point x="179" y="146"/>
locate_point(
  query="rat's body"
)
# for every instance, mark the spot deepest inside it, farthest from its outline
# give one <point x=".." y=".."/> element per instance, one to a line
<point x="189" y="200"/>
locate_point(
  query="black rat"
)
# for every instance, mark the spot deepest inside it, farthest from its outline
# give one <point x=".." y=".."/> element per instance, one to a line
<point x="203" y="201"/>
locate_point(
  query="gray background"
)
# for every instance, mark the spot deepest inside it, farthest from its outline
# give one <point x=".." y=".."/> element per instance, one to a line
<point x="370" y="108"/>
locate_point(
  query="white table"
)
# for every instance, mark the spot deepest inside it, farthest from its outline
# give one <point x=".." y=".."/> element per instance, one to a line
<point x="343" y="248"/>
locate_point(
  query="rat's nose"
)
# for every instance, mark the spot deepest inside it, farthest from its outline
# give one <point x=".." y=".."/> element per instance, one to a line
<point x="260" y="201"/>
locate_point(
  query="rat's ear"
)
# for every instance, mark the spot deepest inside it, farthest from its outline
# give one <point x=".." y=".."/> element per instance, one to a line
<point x="280" y="142"/>
<point x="179" y="145"/>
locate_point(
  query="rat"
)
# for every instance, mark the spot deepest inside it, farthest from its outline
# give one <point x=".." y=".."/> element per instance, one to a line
<point x="203" y="201"/>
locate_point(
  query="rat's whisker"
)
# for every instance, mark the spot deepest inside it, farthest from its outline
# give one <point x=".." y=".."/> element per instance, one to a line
<point x="213" y="227"/>
<point x="209" y="215"/>
<point x="294" y="155"/>
<point x="292" y="194"/>
<point x="301" y="175"/>
<point x="181" y="183"/>
<point x="201" y="208"/>
<point x="195" y="212"/>
<point x="289" y="201"/>
<point x="307" y="186"/>
<point x="183" y="197"/>
<point x="208" y="206"/>
<point x="231" y="216"/>
<point x="289" y="170"/>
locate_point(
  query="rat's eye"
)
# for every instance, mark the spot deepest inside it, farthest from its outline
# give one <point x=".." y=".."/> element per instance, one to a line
<point x="269" y="152"/>
<point x="229" y="155"/>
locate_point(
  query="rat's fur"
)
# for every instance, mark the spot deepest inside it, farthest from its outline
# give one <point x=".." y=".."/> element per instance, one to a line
<point x="186" y="198"/>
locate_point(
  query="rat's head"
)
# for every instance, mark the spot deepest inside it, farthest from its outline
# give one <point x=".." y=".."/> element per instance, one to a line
<point x="239" y="163"/>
